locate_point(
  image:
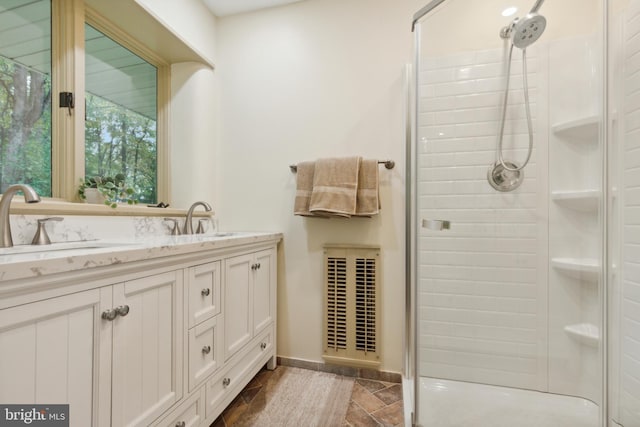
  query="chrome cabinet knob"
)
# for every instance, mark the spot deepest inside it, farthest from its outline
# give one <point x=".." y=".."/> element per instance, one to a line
<point x="109" y="314"/>
<point x="206" y="349"/>
<point x="226" y="382"/>
<point x="257" y="265"/>
<point x="112" y="313"/>
<point x="205" y="292"/>
<point x="122" y="310"/>
<point x="181" y="424"/>
<point x="263" y="345"/>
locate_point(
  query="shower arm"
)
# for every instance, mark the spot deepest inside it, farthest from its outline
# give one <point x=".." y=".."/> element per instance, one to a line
<point x="536" y="6"/>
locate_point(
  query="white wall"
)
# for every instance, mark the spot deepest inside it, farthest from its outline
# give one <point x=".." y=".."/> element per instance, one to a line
<point x="194" y="103"/>
<point x="194" y="135"/>
<point x="189" y="20"/>
<point x="315" y="79"/>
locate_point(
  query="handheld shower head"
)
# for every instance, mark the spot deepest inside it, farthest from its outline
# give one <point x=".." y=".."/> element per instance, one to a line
<point x="527" y="30"/>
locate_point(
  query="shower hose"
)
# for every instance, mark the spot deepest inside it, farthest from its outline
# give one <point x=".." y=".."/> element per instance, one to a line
<point x="504" y="112"/>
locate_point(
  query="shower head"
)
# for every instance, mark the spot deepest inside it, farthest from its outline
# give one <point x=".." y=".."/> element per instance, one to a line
<point x="528" y="29"/>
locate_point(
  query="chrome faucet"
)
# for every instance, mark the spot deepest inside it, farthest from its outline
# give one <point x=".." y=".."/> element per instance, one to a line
<point x="188" y="226"/>
<point x="30" y="196"/>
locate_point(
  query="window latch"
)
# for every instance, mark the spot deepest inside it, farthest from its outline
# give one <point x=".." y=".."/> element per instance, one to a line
<point x="67" y="101"/>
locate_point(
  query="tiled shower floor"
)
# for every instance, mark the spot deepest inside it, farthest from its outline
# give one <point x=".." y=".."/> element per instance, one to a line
<point x="373" y="403"/>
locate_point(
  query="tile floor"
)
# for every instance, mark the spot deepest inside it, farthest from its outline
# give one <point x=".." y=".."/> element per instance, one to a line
<point x="373" y="403"/>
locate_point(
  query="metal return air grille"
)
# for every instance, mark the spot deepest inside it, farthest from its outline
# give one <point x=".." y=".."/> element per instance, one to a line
<point x="351" y="327"/>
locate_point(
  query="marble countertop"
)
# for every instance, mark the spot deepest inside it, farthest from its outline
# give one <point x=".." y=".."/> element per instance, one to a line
<point x="22" y="262"/>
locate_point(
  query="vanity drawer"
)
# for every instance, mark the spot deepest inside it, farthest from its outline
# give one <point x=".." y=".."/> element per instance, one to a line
<point x="205" y="352"/>
<point x="224" y="387"/>
<point x="189" y="414"/>
<point x="204" y="292"/>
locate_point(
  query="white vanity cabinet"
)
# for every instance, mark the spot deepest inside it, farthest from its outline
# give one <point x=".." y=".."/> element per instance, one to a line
<point x="146" y="377"/>
<point x="123" y="368"/>
<point x="168" y="340"/>
<point x="48" y="351"/>
<point x="249" y="297"/>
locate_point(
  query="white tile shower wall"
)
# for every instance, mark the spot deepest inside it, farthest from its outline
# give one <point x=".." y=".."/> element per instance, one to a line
<point x="75" y="228"/>
<point x="482" y="284"/>
<point x="629" y="380"/>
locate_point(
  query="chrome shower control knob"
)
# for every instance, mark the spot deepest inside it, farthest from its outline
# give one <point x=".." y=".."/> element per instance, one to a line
<point x="122" y="310"/>
<point x="226" y="382"/>
<point x="205" y="292"/>
<point x="206" y="349"/>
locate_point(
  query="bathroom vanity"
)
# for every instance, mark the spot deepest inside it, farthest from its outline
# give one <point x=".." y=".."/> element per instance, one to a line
<point x="164" y="332"/>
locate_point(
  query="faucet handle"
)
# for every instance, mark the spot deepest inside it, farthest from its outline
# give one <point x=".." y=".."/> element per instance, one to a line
<point x="41" y="237"/>
<point x="175" y="229"/>
<point x="201" y="222"/>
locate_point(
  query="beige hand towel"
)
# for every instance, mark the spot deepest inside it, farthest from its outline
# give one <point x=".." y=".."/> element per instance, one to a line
<point x="335" y="184"/>
<point x="368" y="199"/>
<point x="304" y="185"/>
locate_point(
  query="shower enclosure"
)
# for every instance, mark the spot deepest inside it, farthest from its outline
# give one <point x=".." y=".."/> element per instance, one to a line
<point x="524" y="302"/>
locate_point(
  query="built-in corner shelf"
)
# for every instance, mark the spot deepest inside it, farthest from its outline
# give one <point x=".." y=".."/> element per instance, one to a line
<point x="583" y="128"/>
<point x="582" y="200"/>
<point x="582" y="268"/>
<point x="586" y="333"/>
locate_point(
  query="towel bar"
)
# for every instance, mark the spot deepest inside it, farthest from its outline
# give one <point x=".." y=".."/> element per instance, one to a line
<point x="389" y="164"/>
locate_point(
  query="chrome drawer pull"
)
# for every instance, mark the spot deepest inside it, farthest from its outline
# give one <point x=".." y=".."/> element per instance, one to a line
<point x="206" y="349"/>
<point x="226" y="382"/>
<point x="205" y="292"/>
<point x="263" y="345"/>
<point x="181" y="424"/>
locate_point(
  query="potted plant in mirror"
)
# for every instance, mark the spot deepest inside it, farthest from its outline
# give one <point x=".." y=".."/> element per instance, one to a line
<point x="107" y="190"/>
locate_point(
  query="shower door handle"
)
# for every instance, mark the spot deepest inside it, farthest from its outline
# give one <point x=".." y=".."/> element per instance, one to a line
<point x="436" y="224"/>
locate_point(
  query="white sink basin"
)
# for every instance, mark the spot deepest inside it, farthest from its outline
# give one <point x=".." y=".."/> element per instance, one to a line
<point x="63" y="246"/>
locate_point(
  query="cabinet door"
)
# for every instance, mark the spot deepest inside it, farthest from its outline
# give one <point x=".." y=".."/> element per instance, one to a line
<point x="238" y="322"/>
<point x="49" y="353"/>
<point x="263" y="290"/>
<point x="147" y="343"/>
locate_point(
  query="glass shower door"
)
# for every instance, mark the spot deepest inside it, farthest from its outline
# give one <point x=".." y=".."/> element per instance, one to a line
<point x="508" y="301"/>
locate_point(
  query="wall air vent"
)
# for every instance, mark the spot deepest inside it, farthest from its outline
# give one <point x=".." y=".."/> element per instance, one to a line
<point x="351" y="306"/>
